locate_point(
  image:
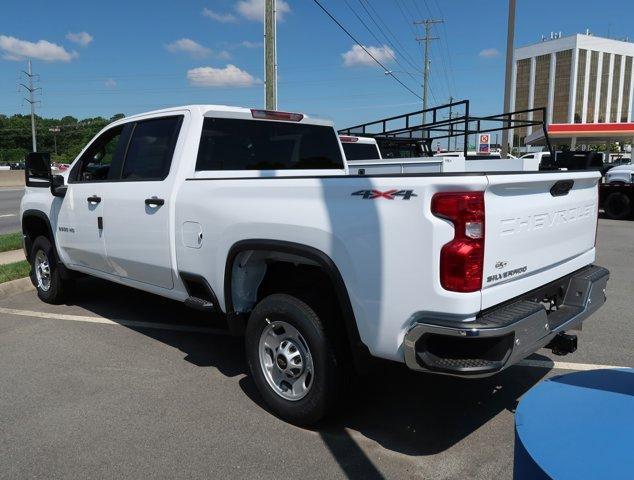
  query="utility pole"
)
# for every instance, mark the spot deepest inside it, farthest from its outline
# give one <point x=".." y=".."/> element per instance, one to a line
<point x="270" y="56"/>
<point x="450" y="117"/>
<point x="508" y="79"/>
<point x="31" y="89"/>
<point x="428" y="24"/>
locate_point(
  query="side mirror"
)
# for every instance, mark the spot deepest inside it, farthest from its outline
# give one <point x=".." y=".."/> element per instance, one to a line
<point x="38" y="170"/>
<point x="58" y="189"/>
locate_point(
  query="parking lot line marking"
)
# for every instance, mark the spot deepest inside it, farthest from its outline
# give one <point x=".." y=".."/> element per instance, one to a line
<point x="564" y="365"/>
<point x="217" y="331"/>
<point x="105" y="321"/>
<point x="8" y="215"/>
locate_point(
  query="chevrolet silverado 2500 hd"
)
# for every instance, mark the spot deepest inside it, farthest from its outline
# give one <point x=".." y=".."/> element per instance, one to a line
<point x="253" y="215"/>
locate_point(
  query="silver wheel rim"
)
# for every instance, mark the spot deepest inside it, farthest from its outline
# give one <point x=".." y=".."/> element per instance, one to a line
<point x="286" y="361"/>
<point x="42" y="271"/>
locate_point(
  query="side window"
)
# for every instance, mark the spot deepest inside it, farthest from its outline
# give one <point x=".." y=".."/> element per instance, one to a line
<point x="96" y="162"/>
<point x="149" y="154"/>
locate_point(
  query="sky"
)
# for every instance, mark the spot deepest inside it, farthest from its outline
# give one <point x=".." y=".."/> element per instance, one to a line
<point x="101" y="58"/>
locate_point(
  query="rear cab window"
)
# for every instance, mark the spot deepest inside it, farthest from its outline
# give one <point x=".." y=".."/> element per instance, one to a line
<point x="360" y="151"/>
<point x="242" y="144"/>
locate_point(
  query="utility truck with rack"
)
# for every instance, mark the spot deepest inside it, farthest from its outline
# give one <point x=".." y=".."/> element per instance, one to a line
<point x="254" y="216"/>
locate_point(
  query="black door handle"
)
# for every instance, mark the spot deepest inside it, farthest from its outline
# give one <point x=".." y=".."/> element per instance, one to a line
<point x="154" y="202"/>
<point x="94" y="199"/>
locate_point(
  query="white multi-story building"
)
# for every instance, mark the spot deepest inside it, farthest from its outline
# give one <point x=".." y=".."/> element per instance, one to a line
<point x="579" y="79"/>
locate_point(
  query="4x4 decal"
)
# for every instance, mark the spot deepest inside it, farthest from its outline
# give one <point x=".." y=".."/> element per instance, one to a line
<point x="388" y="194"/>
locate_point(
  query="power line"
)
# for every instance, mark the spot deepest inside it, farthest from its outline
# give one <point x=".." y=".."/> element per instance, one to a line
<point x="445" y="43"/>
<point x="403" y="52"/>
<point x="391" y="74"/>
<point x="408" y="21"/>
<point x="377" y="38"/>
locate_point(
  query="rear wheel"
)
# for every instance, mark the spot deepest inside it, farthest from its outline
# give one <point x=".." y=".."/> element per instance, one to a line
<point x="292" y="361"/>
<point x="45" y="273"/>
<point x="618" y="206"/>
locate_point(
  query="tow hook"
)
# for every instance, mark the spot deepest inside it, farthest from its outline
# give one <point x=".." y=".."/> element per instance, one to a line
<point x="563" y="344"/>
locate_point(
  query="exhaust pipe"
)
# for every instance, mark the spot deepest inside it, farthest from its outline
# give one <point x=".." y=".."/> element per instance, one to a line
<point x="563" y="344"/>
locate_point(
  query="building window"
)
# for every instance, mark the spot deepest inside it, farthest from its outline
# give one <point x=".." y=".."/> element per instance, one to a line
<point x="627" y="80"/>
<point x="616" y="84"/>
<point x="605" y="77"/>
<point x="592" y="86"/>
<point x="581" y="77"/>
<point x="542" y="82"/>
<point x="522" y="85"/>
<point x="562" y="86"/>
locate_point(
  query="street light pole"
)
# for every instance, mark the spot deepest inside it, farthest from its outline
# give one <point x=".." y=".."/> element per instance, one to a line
<point x="54" y="131"/>
<point x="508" y="79"/>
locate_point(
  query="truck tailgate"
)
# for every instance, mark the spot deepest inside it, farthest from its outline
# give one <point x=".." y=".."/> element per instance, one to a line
<point x="539" y="227"/>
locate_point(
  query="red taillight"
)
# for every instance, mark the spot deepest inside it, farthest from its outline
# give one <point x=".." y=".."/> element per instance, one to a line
<point x="347" y="139"/>
<point x="275" y="115"/>
<point x="462" y="259"/>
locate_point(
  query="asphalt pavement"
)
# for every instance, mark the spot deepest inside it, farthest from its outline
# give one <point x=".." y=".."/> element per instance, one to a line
<point x="10" y="209"/>
<point x="122" y="384"/>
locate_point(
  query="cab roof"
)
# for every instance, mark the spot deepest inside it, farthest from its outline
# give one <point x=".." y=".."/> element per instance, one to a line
<point x="207" y="110"/>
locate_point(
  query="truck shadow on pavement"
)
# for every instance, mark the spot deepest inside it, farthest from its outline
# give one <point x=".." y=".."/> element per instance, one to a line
<point x="409" y="413"/>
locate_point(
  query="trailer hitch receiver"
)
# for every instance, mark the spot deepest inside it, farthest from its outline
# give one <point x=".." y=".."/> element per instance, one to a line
<point x="563" y="344"/>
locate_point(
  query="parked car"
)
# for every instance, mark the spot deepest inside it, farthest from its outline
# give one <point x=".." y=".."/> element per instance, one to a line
<point x="620" y="174"/>
<point x="253" y="215"/>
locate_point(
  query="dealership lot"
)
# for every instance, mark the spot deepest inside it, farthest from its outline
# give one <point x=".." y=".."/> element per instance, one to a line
<point x="119" y="383"/>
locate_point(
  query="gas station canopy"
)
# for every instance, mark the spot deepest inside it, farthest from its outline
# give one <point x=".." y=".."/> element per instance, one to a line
<point x="570" y="133"/>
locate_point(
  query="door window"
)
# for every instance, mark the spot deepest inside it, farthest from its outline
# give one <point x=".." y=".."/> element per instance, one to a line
<point x="151" y="147"/>
<point x="96" y="164"/>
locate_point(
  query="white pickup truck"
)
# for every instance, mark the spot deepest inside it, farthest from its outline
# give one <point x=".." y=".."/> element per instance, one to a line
<point x="253" y="215"/>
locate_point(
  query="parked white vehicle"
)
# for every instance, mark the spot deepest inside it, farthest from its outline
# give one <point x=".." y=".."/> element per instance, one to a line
<point x="532" y="161"/>
<point x="620" y="174"/>
<point x="253" y="215"/>
<point x="360" y="148"/>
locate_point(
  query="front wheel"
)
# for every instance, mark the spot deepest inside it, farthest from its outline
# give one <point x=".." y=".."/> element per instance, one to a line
<point x="291" y="360"/>
<point x="45" y="274"/>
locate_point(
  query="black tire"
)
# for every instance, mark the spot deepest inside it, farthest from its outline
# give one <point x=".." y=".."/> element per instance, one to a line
<point x="618" y="206"/>
<point x="57" y="287"/>
<point x="326" y="384"/>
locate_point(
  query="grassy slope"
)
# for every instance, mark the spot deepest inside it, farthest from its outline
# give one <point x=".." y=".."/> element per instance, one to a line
<point x="10" y="241"/>
<point x="13" y="271"/>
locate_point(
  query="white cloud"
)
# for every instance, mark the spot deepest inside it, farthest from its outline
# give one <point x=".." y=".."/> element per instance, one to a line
<point x="218" y="17"/>
<point x="230" y="76"/>
<point x="489" y="53"/>
<point x="254" y="9"/>
<point x="15" y="49"/>
<point x="223" y="55"/>
<point x="248" y="44"/>
<point x="357" y="56"/>
<point x="189" y="46"/>
<point x="82" y="38"/>
<point x="110" y="83"/>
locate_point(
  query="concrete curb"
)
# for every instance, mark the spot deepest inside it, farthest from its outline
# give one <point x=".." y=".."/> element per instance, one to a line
<point x="11" y="256"/>
<point x="16" y="286"/>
